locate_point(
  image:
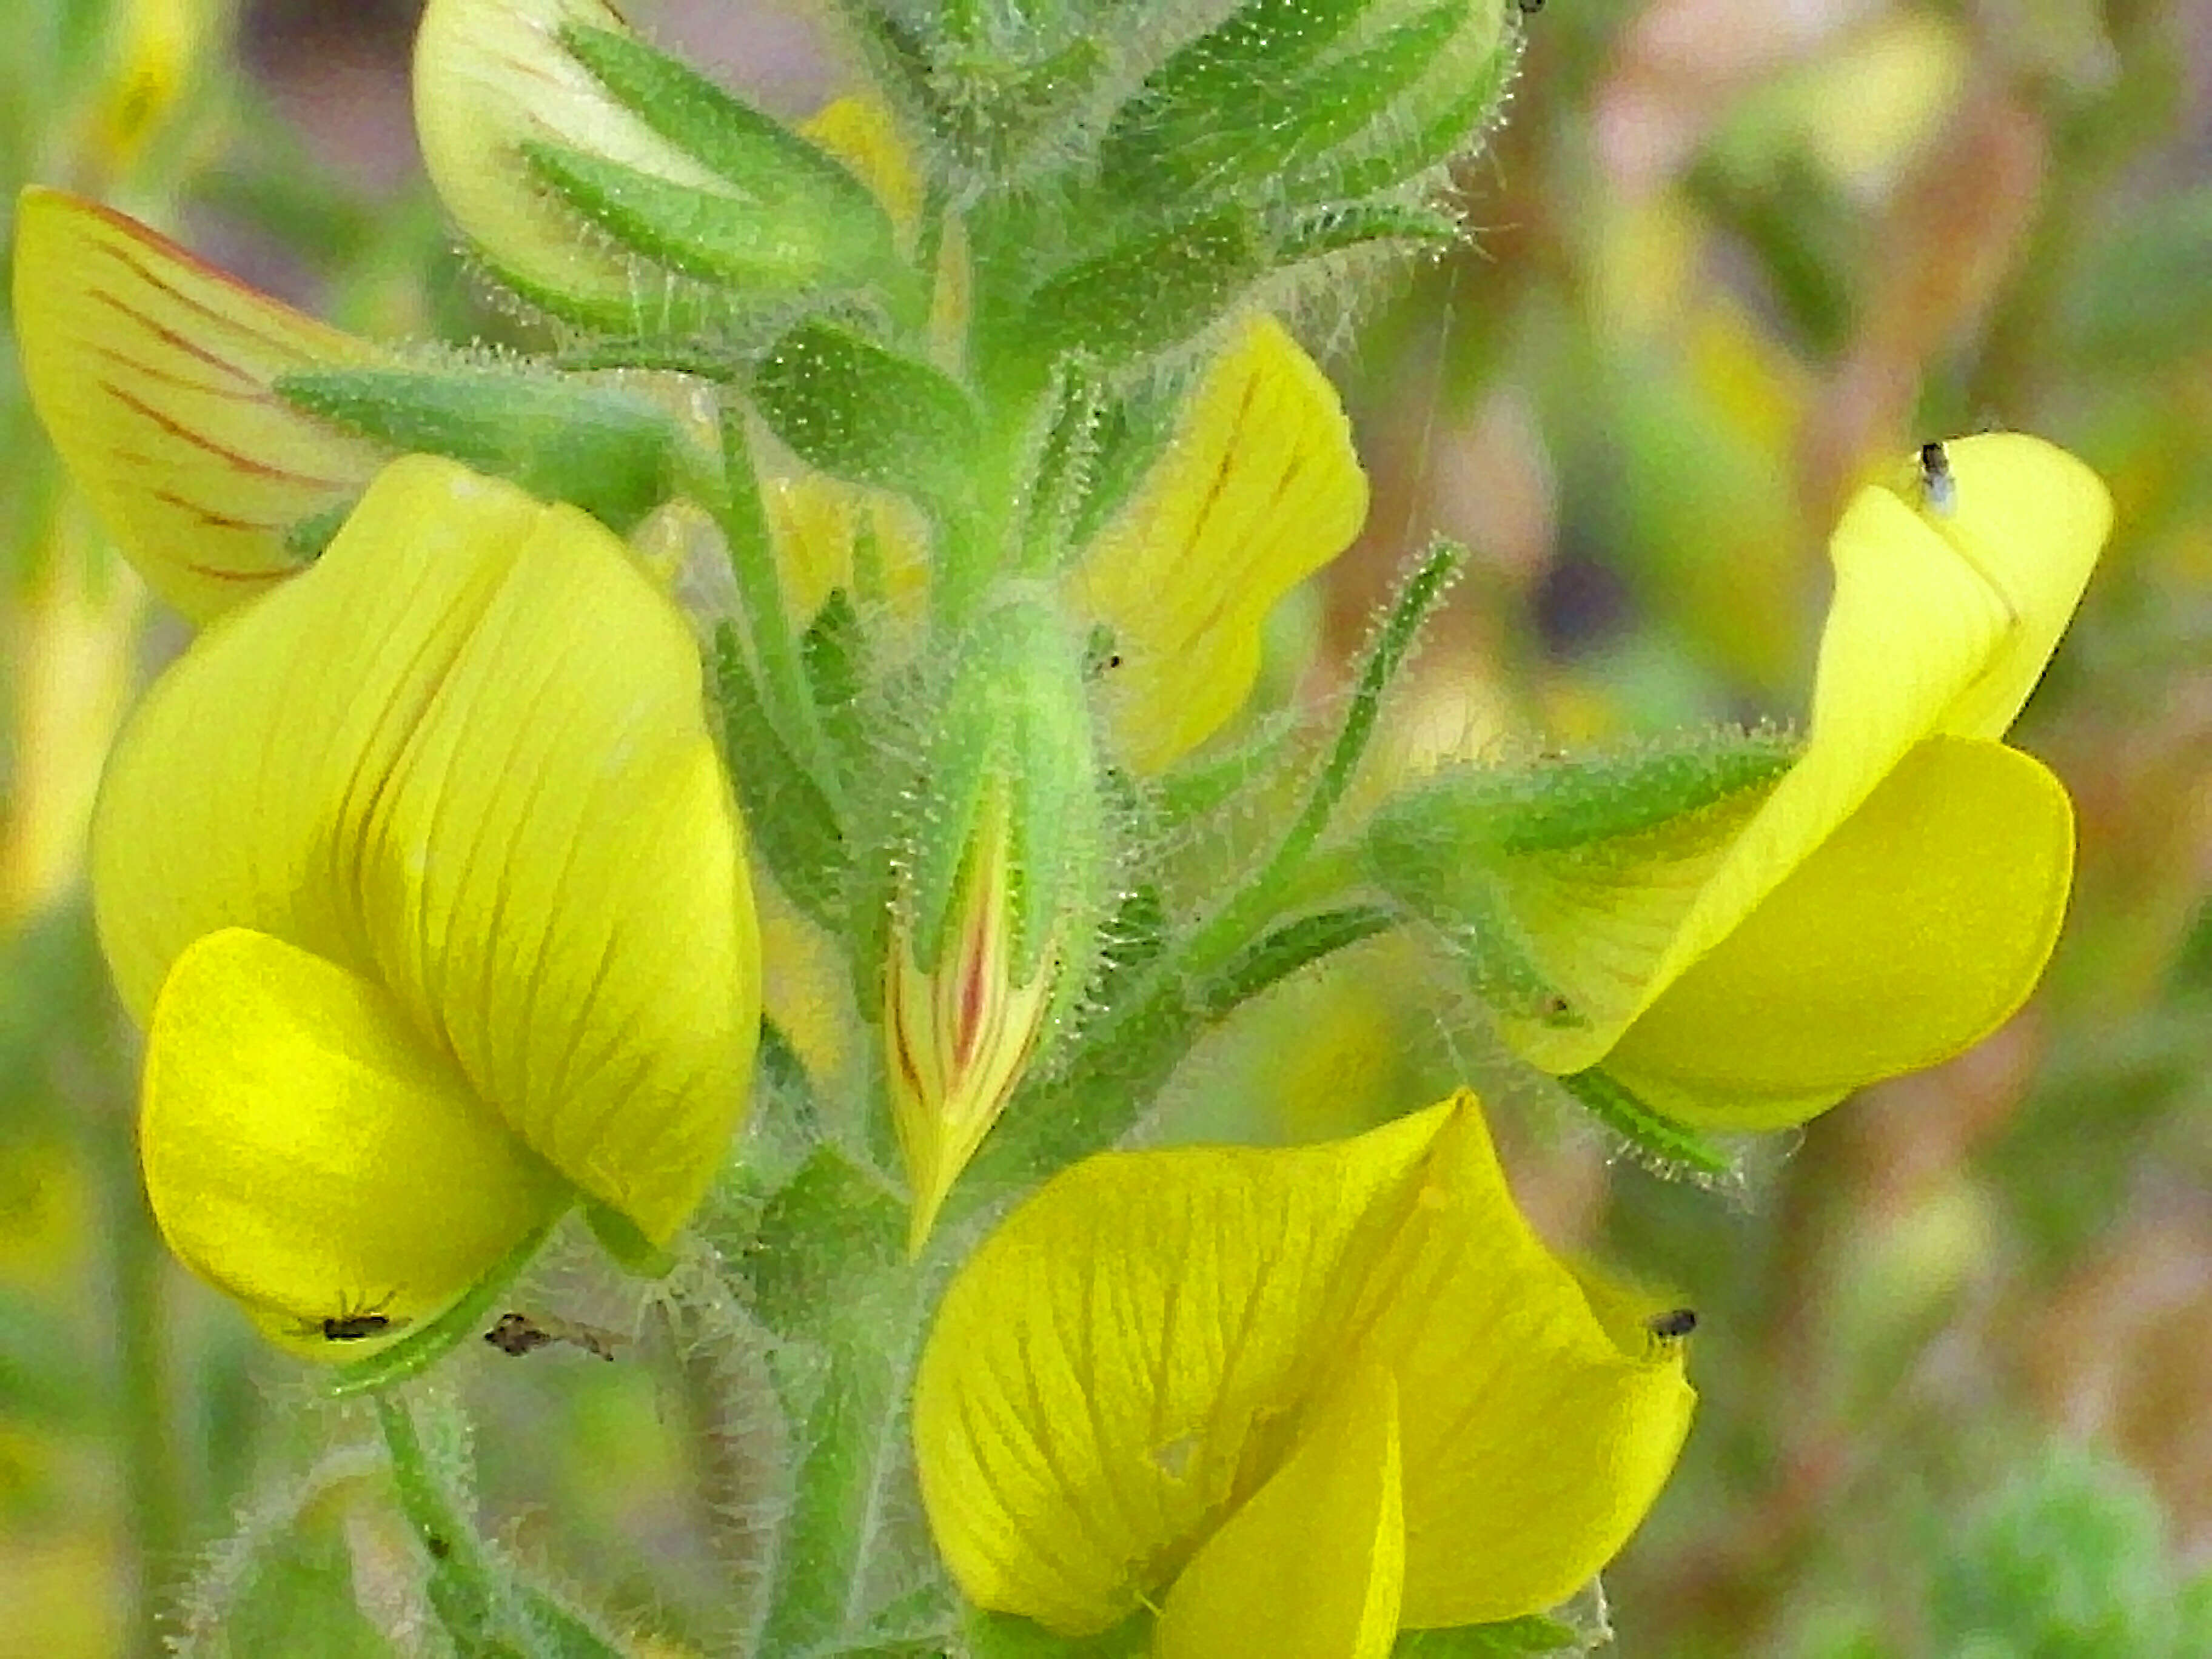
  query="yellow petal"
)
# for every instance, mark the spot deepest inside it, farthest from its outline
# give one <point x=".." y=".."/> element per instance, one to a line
<point x="1537" y="1429"/>
<point x="831" y="536"/>
<point x="492" y="74"/>
<point x="1127" y="1354"/>
<point x="465" y="757"/>
<point x="2031" y="520"/>
<point x="1311" y="1568"/>
<point x="305" y="1152"/>
<point x="152" y="372"/>
<point x="861" y="133"/>
<point x="1913" y="932"/>
<point x="1258" y="489"/>
<point x="1941" y="623"/>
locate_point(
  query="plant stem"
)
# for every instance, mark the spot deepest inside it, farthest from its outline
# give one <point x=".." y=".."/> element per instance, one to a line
<point x="153" y="1499"/>
<point x="461" y="1590"/>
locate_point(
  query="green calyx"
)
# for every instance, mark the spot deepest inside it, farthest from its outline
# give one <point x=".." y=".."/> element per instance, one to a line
<point x="1012" y="756"/>
<point x="1454" y="851"/>
<point x="606" y="450"/>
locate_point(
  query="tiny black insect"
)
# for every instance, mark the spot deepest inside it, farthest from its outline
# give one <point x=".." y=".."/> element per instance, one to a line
<point x="1673" y="1325"/>
<point x="1936" y="484"/>
<point x="352" y="1324"/>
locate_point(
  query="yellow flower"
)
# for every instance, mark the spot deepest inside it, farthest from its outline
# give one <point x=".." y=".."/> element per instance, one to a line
<point x="1257" y="487"/>
<point x="1294" y="1399"/>
<point x="1893" y="899"/>
<point x="423" y="874"/>
<point x="153" y="373"/>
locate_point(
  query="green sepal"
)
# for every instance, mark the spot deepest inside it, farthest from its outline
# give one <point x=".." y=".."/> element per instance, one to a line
<point x="1293" y="945"/>
<point x="1250" y="131"/>
<point x="1561" y="803"/>
<point x="779" y="249"/>
<point x="306" y="538"/>
<point x="754" y="151"/>
<point x="791" y="819"/>
<point x="859" y="411"/>
<point x="619" y="1237"/>
<point x="606" y="450"/>
<point x="1148" y="293"/>
<point x="1013" y="731"/>
<point x="1533" y="1633"/>
<point x="1131" y="433"/>
<point x="1412" y="143"/>
<point x="834" y="652"/>
<point x="1658" y="1141"/>
<point x="1399" y="226"/>
<point x="1263" y="43"/>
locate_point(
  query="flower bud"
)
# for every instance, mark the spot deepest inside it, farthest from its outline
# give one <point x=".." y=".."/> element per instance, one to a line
<point x="997" y="905"/>
<point x="493" y="75"/>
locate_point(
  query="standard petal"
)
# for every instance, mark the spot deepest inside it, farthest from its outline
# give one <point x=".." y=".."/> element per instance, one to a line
<point x="1258" y="489"/>
<point x="1537" y="1428"/>
<point x="465" y="758"/>
<point x="1913" y="932"/>
<point x="2032" y="520"/>
<point x="1125" y="1357"/>
<point x="152" y="372"/>
<point x="1312" y="1567"/>
<point x="307" y="1153"/>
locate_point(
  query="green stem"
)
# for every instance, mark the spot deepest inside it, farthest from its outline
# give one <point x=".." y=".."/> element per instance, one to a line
<point x="840" y="1503"/>
<point x="733" y="503"/>
<point x="1236" y="923"/>
<point x="461" y="1590"/>
<point x="154" y="1503"/>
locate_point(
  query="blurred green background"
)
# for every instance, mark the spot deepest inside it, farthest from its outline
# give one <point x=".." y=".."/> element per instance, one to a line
<point x="1726" y="255"/>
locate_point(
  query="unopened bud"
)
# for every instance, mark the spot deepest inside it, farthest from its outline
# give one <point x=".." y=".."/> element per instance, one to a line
<point x="997" y="913"/>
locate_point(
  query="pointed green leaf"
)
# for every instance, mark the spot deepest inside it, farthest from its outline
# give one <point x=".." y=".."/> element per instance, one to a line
<point x="859" y="412"/>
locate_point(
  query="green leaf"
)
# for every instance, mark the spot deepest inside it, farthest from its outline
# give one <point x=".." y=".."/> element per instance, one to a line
<point x="790" y="818"/>
<point x="1394" y="151"/>
<point x="1391" y="224"/>
<point x="857" y="411"/>
<point x="831" y="1233"/>
<point x="1148" y="293"/>
<point x="606" y="450"/>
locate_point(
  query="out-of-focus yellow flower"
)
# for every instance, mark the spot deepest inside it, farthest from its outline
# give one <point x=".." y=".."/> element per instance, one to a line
<point x="1295" y="1400"/>
<point x="156" y="50"/>
<point x="1894" y="898"/>
<point x="1257" y="489"/>
<point x="423" y="873"/>
<point x="153" y="373"/>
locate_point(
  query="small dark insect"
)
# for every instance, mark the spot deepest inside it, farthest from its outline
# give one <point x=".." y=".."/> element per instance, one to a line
<point x="1673" y="1325"/>
<point x="1530" y="8"/>
<point x="518" y="1334"/>
<point x="352" y="1324"/>
<point x="1940" y="489"/>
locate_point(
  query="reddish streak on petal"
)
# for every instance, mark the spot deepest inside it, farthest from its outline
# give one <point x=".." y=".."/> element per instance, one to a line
<point x="213" y="519"/>
<point x="153" y="278"/>
<point x="170" y="337"/>
<point x="243" y="463"/>
<point x="167" y="377"/>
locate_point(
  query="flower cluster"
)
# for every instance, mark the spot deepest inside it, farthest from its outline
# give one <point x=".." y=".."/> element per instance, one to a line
<point x="424" y="867"/>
